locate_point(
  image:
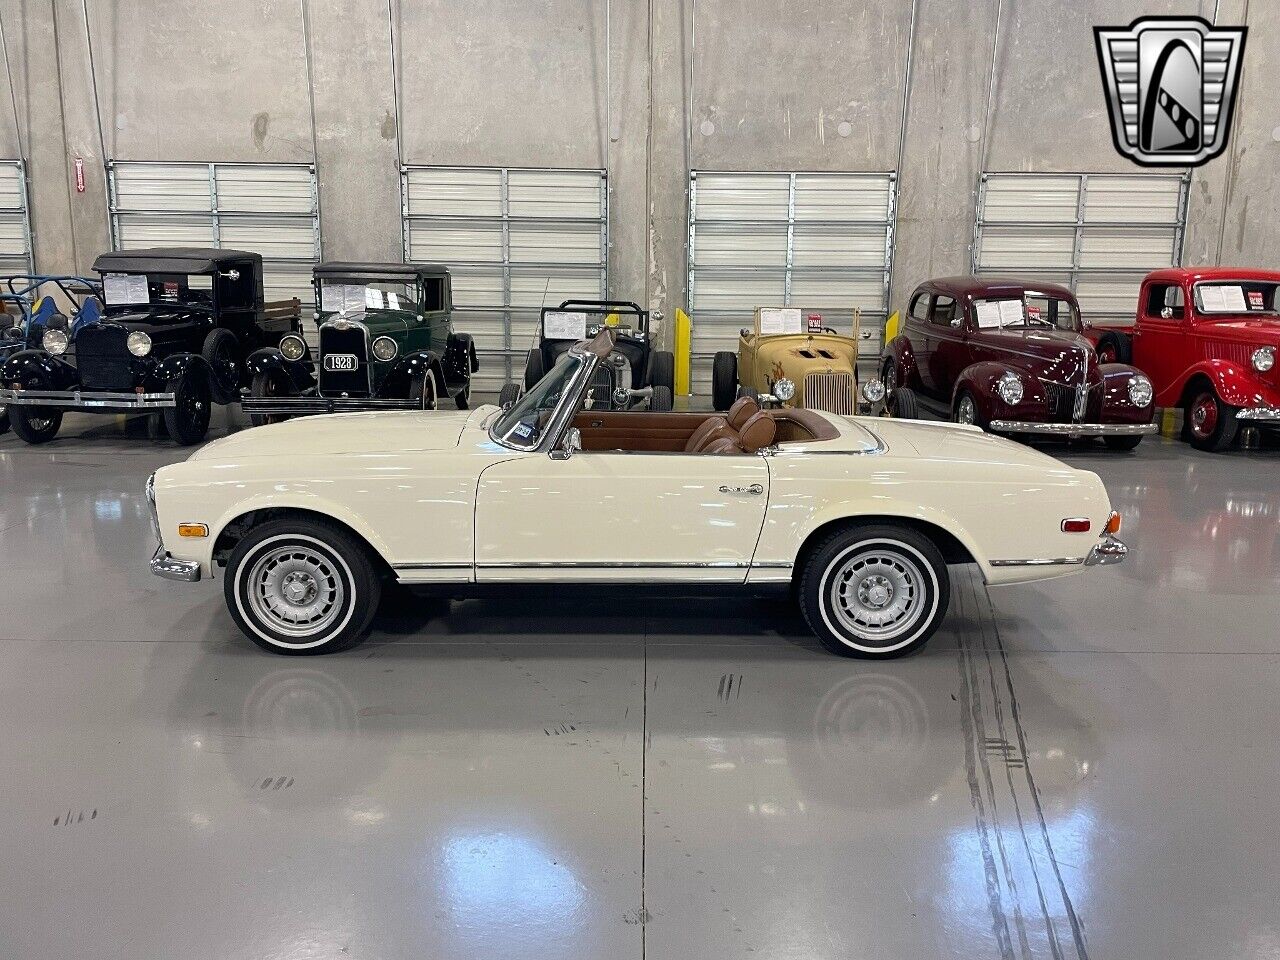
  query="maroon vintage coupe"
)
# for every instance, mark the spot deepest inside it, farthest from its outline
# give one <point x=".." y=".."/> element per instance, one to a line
<point x="1010" y="356"/>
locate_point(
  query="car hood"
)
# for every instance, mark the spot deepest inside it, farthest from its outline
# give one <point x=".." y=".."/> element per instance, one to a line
<point x="956" y="443"/>
<point x="1054" y="355"/>
<point x="351" y="434"/>
<point x="1259" y="330"/>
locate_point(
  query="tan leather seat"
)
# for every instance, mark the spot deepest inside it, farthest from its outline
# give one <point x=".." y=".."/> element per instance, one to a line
<point x="714" y="428"/>
<point x="756" y="434"/>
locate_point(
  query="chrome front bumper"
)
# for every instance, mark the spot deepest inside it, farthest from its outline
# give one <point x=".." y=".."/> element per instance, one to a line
<point x="1105" y="552"/>
<point x="1259" y="413"/>
<point x="293" y="406"/>
<point x="87" y="399"/>
<point x="1074" y="429"/>
<point x="163" y="565"/>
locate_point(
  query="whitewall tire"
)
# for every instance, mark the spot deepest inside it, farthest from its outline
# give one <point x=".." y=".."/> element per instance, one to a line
<point x="875" y="591"/>
<point x="301" y="587"/>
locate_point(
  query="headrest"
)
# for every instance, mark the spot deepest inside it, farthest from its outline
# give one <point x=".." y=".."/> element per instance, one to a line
<point x="757" y="433"/>
<point x="90" y="312"/>
<point x="743" y="409"/>
<point x="57" y="321"/>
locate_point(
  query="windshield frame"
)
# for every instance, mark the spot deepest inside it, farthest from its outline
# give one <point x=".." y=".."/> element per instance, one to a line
<point x="570" y="397"/>
<point x="1077" y="321"/>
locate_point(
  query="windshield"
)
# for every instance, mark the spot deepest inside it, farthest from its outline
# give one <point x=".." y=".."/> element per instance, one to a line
<point x="336" y="296"/>
<point x="135" y="290"/>
<point x="1035" y="310"/>
<point x="1236" y="297"/>
<point x="523" y="425"/>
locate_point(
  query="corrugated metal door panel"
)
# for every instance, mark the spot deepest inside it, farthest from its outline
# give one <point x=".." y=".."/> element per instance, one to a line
<point x="1110" y="297"/>
<point x="555" y="242"/>
<point x="842" y="197"/>
<point x="1015" y="247"/>
<point x="740" y="291"/>
<point x="1138" y="199"/>
<point x="161" y="186"/>
<point x="837" y="291"/>
<point x="451" y="242"/>
<point x="15" y="253"/>
<point x="532" y="287"/>
<point x="454" y="192"/>
<point x="1116" y="247"/>
<point x="1019" y="198"/>
<point x="839" y="246"/>
<point x="264" y="188"/>
<point x="290" y="238"/>
<point x="573" y="194"/>
<point x="742" y="196"/>
<point x="735" y="245"/>
<point x="135" y="230"/>
<point x="12" y="194"/>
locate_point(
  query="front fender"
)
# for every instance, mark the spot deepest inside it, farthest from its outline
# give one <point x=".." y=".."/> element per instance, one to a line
<point x="899" y="351"/>
<point x="1236" y="384"/>
<point x="270" y="359"/>
<point x="980" y="381"/>
<point x="409" y="368"/>
<point x="1116" y="405"/>
<point x="176" y="365"/>
<point x="36" y="369"/>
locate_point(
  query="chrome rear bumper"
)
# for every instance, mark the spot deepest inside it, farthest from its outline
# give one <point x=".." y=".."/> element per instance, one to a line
<point x="1105" y="552"/>
<point x="1259" y="413"/>
<point x="1074" y="429"/>
<point x="163" y="565"/>
<point x="87" y="399"/>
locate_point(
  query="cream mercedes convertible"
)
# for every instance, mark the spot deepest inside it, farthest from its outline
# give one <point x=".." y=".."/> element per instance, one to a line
<point x="310" y="518"/>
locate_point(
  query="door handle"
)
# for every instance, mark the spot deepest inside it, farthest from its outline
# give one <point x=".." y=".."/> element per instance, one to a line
<point x="754" y="490"/>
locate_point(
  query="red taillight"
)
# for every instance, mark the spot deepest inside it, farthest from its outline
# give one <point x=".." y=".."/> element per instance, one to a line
<point x="1113" y="523"/>
<point x="1076" y="525"/>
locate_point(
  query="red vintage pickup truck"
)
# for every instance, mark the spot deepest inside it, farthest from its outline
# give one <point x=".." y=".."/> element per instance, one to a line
<point x="1207" y="337"/>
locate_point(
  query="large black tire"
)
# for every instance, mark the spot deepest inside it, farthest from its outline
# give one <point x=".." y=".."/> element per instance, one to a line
<point x="661" y="400"/>
<point x="534" y="369"/>
<point x="35" y="425"/>
<point x="4" y="419"/>
<point x="1211" y="425"/>
<point x="1114" y="348"/>
<point x="188" y="419"/>
<point x="301" y="587"/>
<point x="222" y="353"/>
<point x="662" y="370"/>
<point x="967" y="410"/>
<point x="874" y="592"/>
<point x="901" y="404"/>
<point x="509" y="393"/>
<point x="463" y="397"/>
<point x="425" y="392"/>
<point x="270" y="383"/>
<point x="1122" y="442"/>
<point x="724" y="379"/>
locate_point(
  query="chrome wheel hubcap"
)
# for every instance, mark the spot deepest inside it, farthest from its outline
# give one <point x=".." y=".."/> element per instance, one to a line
<point x="967" y="414"/>
<point x="296" y="591"/>
<point x="878" y="594"/>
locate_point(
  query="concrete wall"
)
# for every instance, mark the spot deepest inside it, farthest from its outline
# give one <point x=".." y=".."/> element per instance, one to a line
<point x="645" y="88"/>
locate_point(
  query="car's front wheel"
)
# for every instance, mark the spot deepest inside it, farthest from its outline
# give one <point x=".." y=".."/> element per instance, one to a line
<point x="875" y="591"/>
<point x="267" y="384"/>
<point x="424" y="393"/>
<point x="300" y="587"/>
<point x="188" y="419"/>
<point x="35" y="424"/>
<point x="1211" y="424"/>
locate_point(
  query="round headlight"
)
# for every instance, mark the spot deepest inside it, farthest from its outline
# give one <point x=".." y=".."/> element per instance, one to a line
<point x="1264" y="358"/>
<point x="1009" y="387"/>
<point x="784" y="389"/>
<point x="873" y="390"/>
<point x="384" y="349"/>
<point x="139" y="343"/>
<point x="292" y="347"/>
<point x="54" y="342"/>
<point x="1140" y="392"/>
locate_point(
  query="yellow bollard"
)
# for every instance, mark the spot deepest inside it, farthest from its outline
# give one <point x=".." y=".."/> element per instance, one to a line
<point x="1169" y="423"/>
<point x="891" y="326"/>
<point x="683" y="351"/>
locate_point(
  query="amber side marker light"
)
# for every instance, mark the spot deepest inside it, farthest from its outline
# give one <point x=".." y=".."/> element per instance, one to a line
<point x="1076" y="525"/>
<point x="193" y="530"/>
<point x="1113" y="523"/>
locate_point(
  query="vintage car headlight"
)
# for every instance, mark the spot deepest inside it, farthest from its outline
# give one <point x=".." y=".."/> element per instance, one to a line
<point x="1009" y="387"/>
<point x="784" y="389"/>
<point x="1140" y="392"/>
<point x="873" y="390"/>
<point x="384" y="349"/>
<point x="54" y="342"/>
<point x="292" y="347"/>
<point x="1264" y="358"/>
<point x="139" y="343"/>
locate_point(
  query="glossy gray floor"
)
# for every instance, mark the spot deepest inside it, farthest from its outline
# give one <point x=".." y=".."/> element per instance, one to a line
<point x="1084" y="768"/>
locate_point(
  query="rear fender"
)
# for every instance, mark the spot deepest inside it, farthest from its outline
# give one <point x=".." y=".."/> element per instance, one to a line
<point x="1235" y="384"/>
<point x="37" y="370"/>
<point x="460" y="357"/>
<point x="270" y="359"/>
<point x="899" y="351"/>
<point x="408" y="369"/>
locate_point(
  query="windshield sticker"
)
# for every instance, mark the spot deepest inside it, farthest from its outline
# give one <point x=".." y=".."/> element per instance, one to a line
<point x="775" y="320"/>
<point x="522" y="430"/>
<point x="988" y="313"/>
<point x="564" y="325"/>
<point x="1222" y="299"/>
<point x="121" y="288"/>
<point x="1256" y="300"/>
<point x="393" y="302"/>
<point x="1033" y="313"/>
<point x="336" y="297"/>
<point x="374" y="299"/>
<point x="1011" y="313"/>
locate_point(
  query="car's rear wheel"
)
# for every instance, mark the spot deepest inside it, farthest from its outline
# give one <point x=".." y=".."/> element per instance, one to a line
<point x="1114" y="348"/>
<point x="423" y="393"/>
<point x="509" y="393"/>
<point x="874" y="592"/>
<point x="35" y="425"/>
<point x="1122" y="442"/>
<point x="301" y="587"/>
<point x="188" y="419"/>
<point x="4" y="419"/>
<point x="663" y="370"/>
<point x="1211" y="424"/>
<point x="724" y="379"/>
<point x="266" y="384"/>
<point x="901" y="404"/>
<point x="661" y="399"/>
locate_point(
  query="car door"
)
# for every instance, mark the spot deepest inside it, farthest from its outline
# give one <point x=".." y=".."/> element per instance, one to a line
<point x="1163" y="338"/>
<point x="620" y="516"/>
<point x="920" y="337"/>
<point x="950" y="352"/>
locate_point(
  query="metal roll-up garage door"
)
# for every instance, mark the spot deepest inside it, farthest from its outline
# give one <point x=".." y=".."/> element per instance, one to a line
<point x="266" y="208"/>
<point x="1098" y="234"/>
<point x="15" y="227"/>
<point x="819" y="241"/>
<point x="513" y="239"/>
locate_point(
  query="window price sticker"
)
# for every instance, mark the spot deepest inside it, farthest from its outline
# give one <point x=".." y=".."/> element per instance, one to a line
<point x="118" y="288"/>
<point x="564" y="325"/>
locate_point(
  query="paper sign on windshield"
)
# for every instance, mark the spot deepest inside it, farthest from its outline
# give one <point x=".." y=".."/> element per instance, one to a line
<point x="564" y="325"/>
<point x="336" y="297"/>
<point x="1011" y="313"/>
<point x="988" y="313"/>
<point x="118" y="288"/>
<point x="1222" y="298"/>
<point x="774" y="320"/>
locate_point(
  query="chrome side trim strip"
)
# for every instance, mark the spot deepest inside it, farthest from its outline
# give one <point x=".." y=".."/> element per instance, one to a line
<point x="431" y="566"/>
<point x="1040" y="562"/>
<point x="1074" y="429"/>
<point x="557" y="565"/>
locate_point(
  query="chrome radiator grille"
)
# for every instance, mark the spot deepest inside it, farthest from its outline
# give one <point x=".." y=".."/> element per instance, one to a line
<point x="1067" y="402"/>
<point x="832" y="392"/>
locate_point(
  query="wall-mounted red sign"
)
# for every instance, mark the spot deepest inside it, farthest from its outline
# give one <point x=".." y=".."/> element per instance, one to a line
<point x="79" y="175"/>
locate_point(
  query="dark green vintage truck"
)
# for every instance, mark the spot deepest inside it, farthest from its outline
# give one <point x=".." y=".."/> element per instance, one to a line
<point x="385" y="342"/>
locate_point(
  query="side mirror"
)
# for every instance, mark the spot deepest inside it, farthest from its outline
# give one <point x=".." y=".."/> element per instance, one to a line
<point x="955" y="322"/>
<point x="571" y="444"/>
<point x="1167" y="313"/>
<point x="232" y="274"/>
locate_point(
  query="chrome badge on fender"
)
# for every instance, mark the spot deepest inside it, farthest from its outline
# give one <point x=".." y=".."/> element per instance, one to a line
<point x="1171" y="87"/>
